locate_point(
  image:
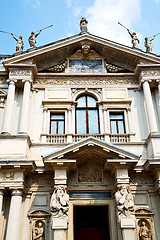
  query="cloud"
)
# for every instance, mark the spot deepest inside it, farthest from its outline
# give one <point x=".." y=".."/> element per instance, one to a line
<point x="69" y="3"/>
<point x="104" y="15"/>
<point x="32" y="3"/>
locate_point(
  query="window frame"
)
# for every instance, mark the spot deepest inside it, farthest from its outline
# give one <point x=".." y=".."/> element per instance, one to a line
<point x="117" y="120"/>
<point x="86" y="108"/>
<point x="57" y="113"/>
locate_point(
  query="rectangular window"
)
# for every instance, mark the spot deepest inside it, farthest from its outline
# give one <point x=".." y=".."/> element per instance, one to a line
<point x="57" y="123"/>
<point x="117" y="123"/>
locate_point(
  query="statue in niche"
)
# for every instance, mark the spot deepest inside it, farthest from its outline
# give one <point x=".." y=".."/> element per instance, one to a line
<point x="144" y="232"/>
<point x="59" y="202"/>
<point x="38" y="231"/>
<point x="83" y="25"/>
<point x="125" y="203"/>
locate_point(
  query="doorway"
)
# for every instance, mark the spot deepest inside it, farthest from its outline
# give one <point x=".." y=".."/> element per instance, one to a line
<point x="91" y="222"/>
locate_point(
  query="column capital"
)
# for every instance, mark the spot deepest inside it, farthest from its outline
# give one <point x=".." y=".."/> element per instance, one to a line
<point x="11" y="81"/>
<point x="17" y="192"/>
<point x="27" y="80"/>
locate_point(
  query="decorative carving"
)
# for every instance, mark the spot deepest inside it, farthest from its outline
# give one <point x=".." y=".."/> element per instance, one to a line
<point x="90" y="55"/>
<point x="8" y="176"/>
<point x="90" y="173"/>
<point x="59" y="202"/>
<point x="125" y="203"/>
<point x="17" y="72"/>
<point x="86" y="81"/>
<point x="85" y="47"/>
<point x="56" y="68"/>
<point x="113" y="69"/>
<point x="147" y="73"/>
<point x="38" y="230"/>
<point x="144" y="232"/>
<point x="76" y="91"/>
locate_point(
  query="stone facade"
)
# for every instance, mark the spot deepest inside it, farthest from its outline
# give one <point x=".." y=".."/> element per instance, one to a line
<point x="57" y="175"/>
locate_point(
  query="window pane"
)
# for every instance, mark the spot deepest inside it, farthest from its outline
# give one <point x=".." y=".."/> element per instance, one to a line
<point x="120" y="127"/>
<point x="113" y="127"/>
<point x="53" y="127"/>
<point x="93" y="121"/>
<point x="61" y="127"/>
<point x="81" y="102"/>
<point x="57" y="116"/>
<point x="91" y="101"/>
<point x="116" y="116"/>
<point x="81" y="121"/>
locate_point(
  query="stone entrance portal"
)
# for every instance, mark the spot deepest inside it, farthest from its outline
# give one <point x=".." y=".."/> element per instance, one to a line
<point x="91" y="222"/>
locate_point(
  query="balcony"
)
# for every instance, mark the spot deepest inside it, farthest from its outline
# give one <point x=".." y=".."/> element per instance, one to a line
<point x="70" y="138"/>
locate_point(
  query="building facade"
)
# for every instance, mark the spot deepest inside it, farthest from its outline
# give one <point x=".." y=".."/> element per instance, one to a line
<point x="80" y="142"/>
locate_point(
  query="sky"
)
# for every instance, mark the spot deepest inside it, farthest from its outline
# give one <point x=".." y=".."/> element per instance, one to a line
<point x="23" y="16"/>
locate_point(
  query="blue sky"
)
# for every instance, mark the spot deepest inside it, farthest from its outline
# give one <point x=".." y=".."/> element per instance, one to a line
<point x="23" y="16"/>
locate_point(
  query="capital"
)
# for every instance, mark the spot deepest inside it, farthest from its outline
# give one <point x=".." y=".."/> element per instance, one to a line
<point x="11" y="81"/>
<point x="17" y="192"/>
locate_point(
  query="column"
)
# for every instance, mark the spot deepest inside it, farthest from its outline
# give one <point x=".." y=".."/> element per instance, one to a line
<point x="9" y="108"/>
<point x="149" y="107"/>
<point x="69" y="132"/>
<point x="159" y="88"/>
<point x="14" y="220"/>
<point x="101" y="119"/>
<point x="44" y="129"/>
<point x="1" y="201"/>
<point x="25" y="107"/>
<point x="105" y="125"/>
<point x="1" y="219"/>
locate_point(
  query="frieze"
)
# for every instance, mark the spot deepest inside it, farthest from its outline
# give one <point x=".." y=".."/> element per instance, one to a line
<point x="86" y="81"/>
<point x="17" y="72"/>
<point x="148" y="73"/>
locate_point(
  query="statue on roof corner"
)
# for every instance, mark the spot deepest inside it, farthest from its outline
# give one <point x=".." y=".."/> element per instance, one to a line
<point x="32" y="39"/>
<point x="83" y="25"/>
<point x="20" y="44"/>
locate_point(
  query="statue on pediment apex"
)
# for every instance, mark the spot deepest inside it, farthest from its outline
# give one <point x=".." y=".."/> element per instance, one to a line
<point x="83" y="25"/>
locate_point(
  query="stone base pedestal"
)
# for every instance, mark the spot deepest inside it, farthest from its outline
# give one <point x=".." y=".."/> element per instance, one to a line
<point x="127" y="225"/>
<point x="60" y="235"/>
<point x="59" y="223"/>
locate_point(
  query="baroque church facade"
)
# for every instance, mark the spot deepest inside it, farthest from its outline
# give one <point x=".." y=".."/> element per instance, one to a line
<point x="80" y="142"/>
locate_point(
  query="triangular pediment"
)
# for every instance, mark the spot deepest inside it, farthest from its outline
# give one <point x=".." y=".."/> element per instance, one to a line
<point x="57" y="52"/>
<point x="90" y="148"/>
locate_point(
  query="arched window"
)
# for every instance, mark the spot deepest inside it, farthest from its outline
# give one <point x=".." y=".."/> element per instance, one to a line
<point x="86" y="115"/>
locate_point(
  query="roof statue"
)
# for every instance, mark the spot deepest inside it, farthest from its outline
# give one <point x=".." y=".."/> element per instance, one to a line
<point x="83" y="25"/>
<point x="148" y="44"/>
<point x="32" y="38"/>
<point x="135" y="40"/>
<point x="20" y="44"/>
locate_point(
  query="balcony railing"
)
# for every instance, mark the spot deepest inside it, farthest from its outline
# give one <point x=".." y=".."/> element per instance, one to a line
<point x="119" y="138"/>
<point x="69" y="138"/>
<point x="78" y="137"/>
